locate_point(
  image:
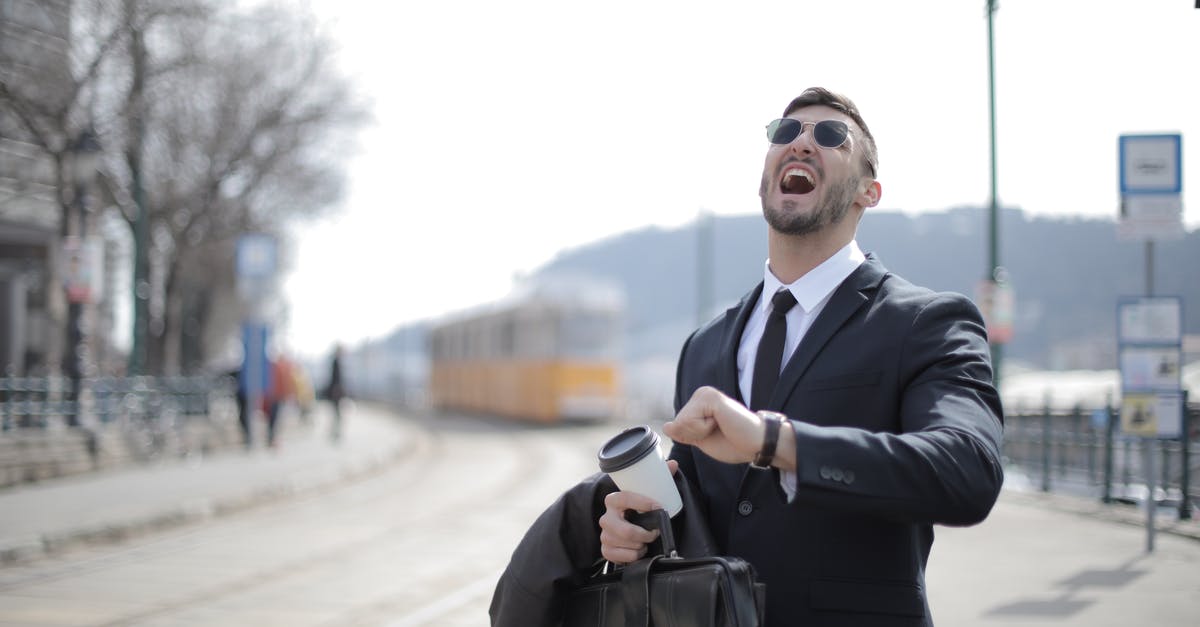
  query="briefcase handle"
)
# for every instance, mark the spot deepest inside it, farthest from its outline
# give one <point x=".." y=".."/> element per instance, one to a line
<point x="635" y="589"/>
<point x="635" y="577"/>
<point x="635" y="592"/>
<point x="657" y="519"/>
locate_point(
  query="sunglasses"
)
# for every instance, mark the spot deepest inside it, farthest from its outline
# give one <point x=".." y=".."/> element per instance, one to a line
<point x="827" y="133"/>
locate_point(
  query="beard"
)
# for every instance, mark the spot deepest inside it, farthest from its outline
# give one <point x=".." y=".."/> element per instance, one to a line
<point x="831" y="208"/>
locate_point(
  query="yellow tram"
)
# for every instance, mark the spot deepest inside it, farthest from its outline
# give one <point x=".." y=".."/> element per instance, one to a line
<point x="548" y="354"/>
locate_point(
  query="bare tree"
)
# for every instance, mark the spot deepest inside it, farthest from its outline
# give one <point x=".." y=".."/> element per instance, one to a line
<point x="240" y="143"/>
<point x="216" y="122"/>
<point x="44" y="97"/>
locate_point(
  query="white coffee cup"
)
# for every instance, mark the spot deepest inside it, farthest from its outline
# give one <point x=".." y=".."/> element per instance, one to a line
<point x="636" y="464"/>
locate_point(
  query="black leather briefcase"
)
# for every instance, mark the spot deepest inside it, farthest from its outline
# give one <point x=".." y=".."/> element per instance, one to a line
<point x="668" y="590"/>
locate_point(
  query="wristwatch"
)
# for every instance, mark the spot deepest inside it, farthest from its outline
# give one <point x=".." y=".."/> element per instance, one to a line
<point x="772" y="421"/>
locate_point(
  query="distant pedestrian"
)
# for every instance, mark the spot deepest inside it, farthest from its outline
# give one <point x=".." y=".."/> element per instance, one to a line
<point x="335" y="392"/>
<point x="304" y="394"/>
<point x="243" y="410"/>
<point x="280" y="391"/>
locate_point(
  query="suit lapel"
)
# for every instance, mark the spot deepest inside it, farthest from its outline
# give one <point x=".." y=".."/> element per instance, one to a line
<point x="727" y="375"/>
<point x="845" y="301"/>
<point x="736" y="317"/>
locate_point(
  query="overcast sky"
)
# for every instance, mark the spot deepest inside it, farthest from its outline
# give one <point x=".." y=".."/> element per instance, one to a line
<point x="506" y="132"/>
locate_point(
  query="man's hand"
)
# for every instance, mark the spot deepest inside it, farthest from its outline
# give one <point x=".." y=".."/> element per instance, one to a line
<point x="726" y="431"/>
<point x="718" y="425"/>
<point x="621" y="541"/>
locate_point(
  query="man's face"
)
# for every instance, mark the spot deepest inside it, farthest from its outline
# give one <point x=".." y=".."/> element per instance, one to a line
<point x="806" y="187"/>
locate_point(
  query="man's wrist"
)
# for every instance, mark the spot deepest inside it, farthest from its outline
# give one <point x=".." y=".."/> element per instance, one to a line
<point x="772" y="423"/>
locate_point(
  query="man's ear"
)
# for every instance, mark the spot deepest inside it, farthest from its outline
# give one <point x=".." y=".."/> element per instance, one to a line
<point x="870" y="196"/>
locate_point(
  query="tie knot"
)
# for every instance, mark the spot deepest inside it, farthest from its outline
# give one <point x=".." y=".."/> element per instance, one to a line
<point x="783" y="301"/>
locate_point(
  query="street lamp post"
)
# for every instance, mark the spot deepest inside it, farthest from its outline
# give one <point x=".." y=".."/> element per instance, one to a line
<point x="85" y="160"/>
<point x="994" y="272"/>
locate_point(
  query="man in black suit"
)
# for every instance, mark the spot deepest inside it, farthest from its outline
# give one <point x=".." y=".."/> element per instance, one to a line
<point x="884" y="420"/>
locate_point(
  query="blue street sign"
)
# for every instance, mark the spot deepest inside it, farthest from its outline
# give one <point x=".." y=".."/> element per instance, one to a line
<point x="1151" y="164"/>
<point x="256" y="256"/>
<point x="255" y="376"/>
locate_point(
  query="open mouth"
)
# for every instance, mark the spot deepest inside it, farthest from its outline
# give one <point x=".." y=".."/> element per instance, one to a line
<point x="796" y="181"/>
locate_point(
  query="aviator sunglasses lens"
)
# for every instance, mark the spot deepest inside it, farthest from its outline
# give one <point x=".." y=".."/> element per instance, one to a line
<point x="830" y="133"/>
<point x="827" y="133"/>
<point x="783" y="131"/>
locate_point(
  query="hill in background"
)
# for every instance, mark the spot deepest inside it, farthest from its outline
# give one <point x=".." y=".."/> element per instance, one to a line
<point x="1067" y="274"/>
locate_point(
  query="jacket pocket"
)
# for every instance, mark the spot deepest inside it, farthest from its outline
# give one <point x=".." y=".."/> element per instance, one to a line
<point x="847" y="380"/>
<point x="873" y="597"/>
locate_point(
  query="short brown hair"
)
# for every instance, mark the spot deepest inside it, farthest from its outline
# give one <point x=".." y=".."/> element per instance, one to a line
<point x="820" y="96"/>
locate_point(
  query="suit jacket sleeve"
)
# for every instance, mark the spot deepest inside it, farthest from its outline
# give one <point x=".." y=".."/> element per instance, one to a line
<point x="681" y="452"/>
<point x="943" y="466"/>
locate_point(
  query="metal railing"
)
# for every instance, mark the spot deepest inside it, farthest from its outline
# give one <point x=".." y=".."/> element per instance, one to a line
<point x="41" y="402"/>
<point x="46" y="431"/>
<point x="1081" y="451"/>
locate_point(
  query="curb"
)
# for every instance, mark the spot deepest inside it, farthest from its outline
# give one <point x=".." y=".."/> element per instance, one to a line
<point x="1110" y="512"/>
<point x="32" y="548"/>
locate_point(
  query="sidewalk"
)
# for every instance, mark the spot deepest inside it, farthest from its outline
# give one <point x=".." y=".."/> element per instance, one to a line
<point x="40" y="518"/>
<point x="1166" y="519"/>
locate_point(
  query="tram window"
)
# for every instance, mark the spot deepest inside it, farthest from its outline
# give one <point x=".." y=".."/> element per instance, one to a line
<point x="476" y="340"/>
<point x="590" y="334"/>
<point x="437" y="348"/>
<point x="481" y="339"/>
<point x="536" y="333"/>
<point x="459" y="343"/>
<point x="495" y="336"/>
<point x="507" y="339"/>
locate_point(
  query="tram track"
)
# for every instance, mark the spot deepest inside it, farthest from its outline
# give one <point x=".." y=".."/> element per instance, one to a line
<point x="179" y="538"/>
<point x="457" y="476"/>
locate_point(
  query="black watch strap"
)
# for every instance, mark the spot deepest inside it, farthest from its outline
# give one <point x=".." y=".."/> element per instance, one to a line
<point x="772" y="421"/>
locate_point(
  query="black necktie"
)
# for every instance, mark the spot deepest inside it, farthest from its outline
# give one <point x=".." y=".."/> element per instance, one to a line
<point x="769" y="361"/>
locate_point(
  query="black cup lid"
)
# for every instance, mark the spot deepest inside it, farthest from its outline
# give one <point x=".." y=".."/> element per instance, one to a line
<point x="627" y="447"/>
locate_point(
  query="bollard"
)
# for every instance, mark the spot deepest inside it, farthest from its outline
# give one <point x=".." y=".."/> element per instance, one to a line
<point x="1046" y="445"/>
<point x="1077" y="422"/>
<point x="1074" y="452"/>
<point x="1185" y="484"/>
<point x="1165" y="451"/>
<point x="1127" y="466"/>
<point x="6" y="397"/>
<point x="1108" y="451"/>
<point x="1091" y="450"/>
<point x="1151" y="506"/>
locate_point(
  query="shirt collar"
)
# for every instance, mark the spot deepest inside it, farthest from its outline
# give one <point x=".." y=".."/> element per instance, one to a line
<point x="819" y="282"/>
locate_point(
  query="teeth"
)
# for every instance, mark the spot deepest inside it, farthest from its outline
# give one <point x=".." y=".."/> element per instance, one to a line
<point x="797" y="181"/>
<point x="798" y="172"/>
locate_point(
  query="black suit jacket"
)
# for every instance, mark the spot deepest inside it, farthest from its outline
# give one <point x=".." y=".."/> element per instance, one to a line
<point x="898" y="427"/>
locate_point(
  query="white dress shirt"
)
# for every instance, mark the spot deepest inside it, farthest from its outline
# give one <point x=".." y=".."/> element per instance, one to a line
<point x="812" y="291"/>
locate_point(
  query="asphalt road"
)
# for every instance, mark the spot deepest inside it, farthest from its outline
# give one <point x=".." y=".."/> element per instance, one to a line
<point x="422" y="542"/>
